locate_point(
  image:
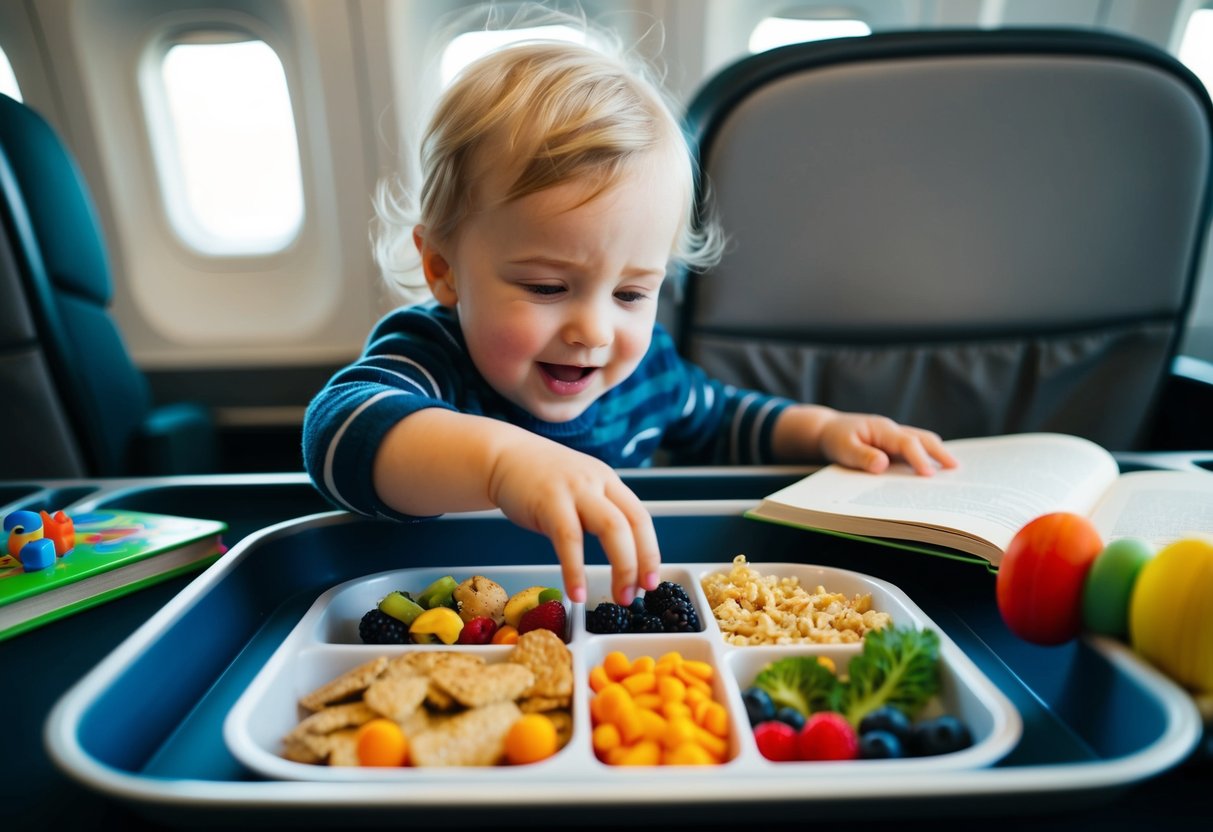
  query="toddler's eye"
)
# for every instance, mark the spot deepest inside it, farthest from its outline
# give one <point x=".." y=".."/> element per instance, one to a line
<point x="630" y="296"/>
<point x="544" y="289"/>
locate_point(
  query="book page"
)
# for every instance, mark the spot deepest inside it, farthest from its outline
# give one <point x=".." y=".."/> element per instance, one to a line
<point x="1001" y="483"/>
<point x="1158" y="506"/>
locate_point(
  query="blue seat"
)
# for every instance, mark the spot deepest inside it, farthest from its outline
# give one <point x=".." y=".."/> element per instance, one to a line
<point x="978" y="232"/>
<point x="74" y="402"/>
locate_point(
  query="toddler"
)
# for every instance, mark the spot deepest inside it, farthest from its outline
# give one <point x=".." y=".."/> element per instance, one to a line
<point x="557" y="191"/>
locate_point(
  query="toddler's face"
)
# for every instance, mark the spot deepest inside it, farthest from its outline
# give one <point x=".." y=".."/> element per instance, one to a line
<point x="557" y="296"/>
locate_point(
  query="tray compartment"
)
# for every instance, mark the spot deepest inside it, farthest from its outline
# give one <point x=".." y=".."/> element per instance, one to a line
<point x="337" y="615"/>
<point x="692" y="647"/>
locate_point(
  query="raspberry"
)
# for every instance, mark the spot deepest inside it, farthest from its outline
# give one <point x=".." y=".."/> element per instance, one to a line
<point x="656" y="601"/>
<point x="776" y="741"/>
<point x="646" y="624"/>
<point x="827" y="735"/>
<point x="377" y="627"/>
<point x="680" y="617"/>
<point x="608" y="618"/>
<point x="549" y="615"/>
<point x="478" y="631"/>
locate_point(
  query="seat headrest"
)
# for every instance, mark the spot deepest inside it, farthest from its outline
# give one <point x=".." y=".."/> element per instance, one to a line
<point x="58" y="203"/>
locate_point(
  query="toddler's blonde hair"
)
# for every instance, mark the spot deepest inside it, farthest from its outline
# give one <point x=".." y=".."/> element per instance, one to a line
<point x="545" y="113"/>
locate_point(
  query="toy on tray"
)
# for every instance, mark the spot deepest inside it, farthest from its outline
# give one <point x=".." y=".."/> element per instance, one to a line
<point x="37" y="538"/>
<point x="1058" y="579"/>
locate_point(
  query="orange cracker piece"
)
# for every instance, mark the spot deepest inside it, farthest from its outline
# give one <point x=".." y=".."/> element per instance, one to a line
<point x="472" y="738"/>
<point x="549" y="659"/>
<point x="351" y="714"/>
<point x="474" y="687"/>
<point x="345" y="685"/>
<point x="396" y="697"/>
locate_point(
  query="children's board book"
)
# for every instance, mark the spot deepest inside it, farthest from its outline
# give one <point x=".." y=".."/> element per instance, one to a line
<point x="115" y="552"/>
<point x="972" y="512"/>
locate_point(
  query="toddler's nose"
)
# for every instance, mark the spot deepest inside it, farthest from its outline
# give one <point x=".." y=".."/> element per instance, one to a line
<point x="589" y="327"/>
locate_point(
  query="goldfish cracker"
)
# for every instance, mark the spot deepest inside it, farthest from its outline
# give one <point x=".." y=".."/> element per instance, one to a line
<point x="644" y="682"/>
<point x="717" y="746"/>
<point x="615" y="756"/>
<point x="691" y="680"/>
<point x="696" y="696"/>
<point x="689" y="754"/>
<point x="643" y="753"/>
<point x="643" y="664"/>
<point x="598" y="678"/>
<point x="716" y="719"/>
<point x="701" y="670"/>
<point x="616" y="665"/>
<point x="653" y="724"/>
<point x="699" y="709"/>
<point x="651" y="701"/>
<point x="671" y="689"/>
<point x="679" y="730"/>
<point x="605" y="738"/>
<point x="611" y="701"/>
<point x="629" y="723"/>
<point x="673" y="710"/>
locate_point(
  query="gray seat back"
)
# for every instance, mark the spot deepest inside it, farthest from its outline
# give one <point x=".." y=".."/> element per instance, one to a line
<point x="976" y="232"/>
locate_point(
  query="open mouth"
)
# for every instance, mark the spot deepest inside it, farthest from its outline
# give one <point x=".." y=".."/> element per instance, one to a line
<point x="567" y="373"/>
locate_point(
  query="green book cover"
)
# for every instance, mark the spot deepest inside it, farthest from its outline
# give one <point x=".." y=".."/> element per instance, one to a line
<point x="116" y="551"/>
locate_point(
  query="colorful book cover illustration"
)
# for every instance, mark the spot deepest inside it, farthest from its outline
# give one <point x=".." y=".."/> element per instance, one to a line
<point x="45" y="574"/>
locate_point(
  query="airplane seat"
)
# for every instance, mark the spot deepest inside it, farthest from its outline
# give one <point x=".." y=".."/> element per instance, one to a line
<point x="75" y="402"/>
<point x="976" y="232"/>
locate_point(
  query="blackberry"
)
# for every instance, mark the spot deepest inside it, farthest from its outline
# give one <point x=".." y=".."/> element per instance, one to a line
<point x="680" y="618"/>
<point x="608" y="618"/>
<point x="667" y="593"/>
<point x="377" y="627"/>
<point x="646" y="623"/>
<point x="637" y="606"/>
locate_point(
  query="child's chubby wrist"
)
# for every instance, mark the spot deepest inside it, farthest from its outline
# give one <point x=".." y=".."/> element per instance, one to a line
<point x="797" y="436"/>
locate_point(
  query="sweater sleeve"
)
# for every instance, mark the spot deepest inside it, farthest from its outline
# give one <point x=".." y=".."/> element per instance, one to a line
<point x="719" y="424"/>
<point x="407" y="366"/>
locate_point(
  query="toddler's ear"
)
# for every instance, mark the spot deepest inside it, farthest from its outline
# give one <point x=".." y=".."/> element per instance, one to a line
<point x="437" y="270"/>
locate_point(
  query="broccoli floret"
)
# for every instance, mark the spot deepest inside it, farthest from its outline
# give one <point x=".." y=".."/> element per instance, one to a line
<point x="800" y="682"/>
<point x="898" y="667"/>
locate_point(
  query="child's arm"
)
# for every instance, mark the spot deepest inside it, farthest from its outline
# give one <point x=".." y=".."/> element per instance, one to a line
<point x="806" y="432"/>
<point x="437" y="461"/>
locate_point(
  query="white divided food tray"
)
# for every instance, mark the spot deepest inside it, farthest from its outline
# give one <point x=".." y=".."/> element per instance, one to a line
<point x="325" y="644"/>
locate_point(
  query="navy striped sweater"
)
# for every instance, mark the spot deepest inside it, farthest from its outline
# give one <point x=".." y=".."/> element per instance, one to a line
<point x="416" y="358"/>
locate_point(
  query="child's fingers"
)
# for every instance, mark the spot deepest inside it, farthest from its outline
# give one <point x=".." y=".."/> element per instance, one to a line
<point x="611" y="526"/>
<point x="648" y="553"/>
<point x="562" y="526"/>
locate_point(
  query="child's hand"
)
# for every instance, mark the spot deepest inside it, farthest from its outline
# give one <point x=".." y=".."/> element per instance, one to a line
<point x="865" y="441"/>
<point x="562" y="493"/>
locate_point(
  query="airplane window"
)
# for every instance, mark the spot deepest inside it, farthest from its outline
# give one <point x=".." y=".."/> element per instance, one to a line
<point x="469" y="46"/>
<point x="8" y="81"/>
<point x="233" y="183"/>
<point x="1196" y="48"/>
<point x="780" y="31"/>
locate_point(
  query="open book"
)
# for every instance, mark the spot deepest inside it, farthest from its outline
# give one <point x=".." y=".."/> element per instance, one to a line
<point x="1001" y="483"/>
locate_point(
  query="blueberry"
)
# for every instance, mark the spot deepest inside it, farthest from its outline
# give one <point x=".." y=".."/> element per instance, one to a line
<point x="879" y="744"/>
<point x="941" y="735"/>
<point x="790" y="716"/>
<point x="890" y="719"/>
<point x="758" y="705"/>
<point x="637" y="605"/>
